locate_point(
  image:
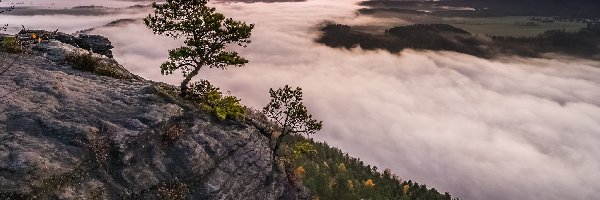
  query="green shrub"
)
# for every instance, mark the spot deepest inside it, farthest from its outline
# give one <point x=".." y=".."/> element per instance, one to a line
<point x="209" y="98"/>
<point x="11" y="45"/>
<point x="304" y="149"/>
<point x="88" y="62"/>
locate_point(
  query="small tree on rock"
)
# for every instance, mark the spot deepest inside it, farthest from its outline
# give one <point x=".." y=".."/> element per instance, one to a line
<point x="286" y="109"/>
<point x="206" y="32"/>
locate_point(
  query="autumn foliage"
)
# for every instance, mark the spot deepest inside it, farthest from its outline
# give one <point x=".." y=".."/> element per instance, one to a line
<point x="331" y="174"/>
<point x="369" y="183"/>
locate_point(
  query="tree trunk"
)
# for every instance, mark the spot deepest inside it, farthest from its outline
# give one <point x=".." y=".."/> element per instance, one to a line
<point x="186" y="81"/>
<point x="278" y="142"/>
<point x="184" y="88"/>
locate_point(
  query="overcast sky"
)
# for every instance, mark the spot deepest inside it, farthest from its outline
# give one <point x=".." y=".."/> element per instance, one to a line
<point x="510" y="128"/>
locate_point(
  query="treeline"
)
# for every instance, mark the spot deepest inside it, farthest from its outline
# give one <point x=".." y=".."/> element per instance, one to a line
<point x="434" y="37"/>
<point x="579" y="9"/>
<point x="420" y="36"/>
<point x="582" y="43"/>
<point x="445" y="37"/>
<point x="488" y="8"/>
<point x="331" y="174"/>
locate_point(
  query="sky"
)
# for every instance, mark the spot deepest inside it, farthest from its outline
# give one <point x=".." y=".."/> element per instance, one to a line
<point x="508" y="128"/>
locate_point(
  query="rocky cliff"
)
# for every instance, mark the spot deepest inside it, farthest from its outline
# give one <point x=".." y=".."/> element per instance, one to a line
<point x="71" y="134"/>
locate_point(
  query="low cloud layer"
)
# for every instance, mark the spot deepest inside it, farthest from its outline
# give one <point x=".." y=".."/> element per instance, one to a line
<point x="510" y="128"/>
<point x="48" y="4"/>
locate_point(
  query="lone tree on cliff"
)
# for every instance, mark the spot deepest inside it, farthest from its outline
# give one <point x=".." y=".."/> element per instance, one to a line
<point x="206" y="32"/>
<point x="288" y="111"/>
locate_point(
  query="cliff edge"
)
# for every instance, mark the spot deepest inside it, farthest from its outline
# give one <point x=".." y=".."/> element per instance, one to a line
<point x="72" y="134"/>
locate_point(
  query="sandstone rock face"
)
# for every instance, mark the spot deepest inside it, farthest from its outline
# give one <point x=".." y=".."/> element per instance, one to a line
<point x="68" y="134"/>
<point x="95" y="43"/>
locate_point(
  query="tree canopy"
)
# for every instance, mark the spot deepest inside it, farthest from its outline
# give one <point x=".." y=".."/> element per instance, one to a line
<point x="207" y="33"/>
<point x="331" y="174"/>
<point x="287" y="110"/>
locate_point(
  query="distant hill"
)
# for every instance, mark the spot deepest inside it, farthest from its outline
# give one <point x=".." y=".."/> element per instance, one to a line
<point x="444" y="37"/>
<point x="567" y="8"/>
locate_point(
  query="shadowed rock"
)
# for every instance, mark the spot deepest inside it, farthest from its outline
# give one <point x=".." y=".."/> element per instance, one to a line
<point x="69" y="134"/>
<point x="95" y="43"/>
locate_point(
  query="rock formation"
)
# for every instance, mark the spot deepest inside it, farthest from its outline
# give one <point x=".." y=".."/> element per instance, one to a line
<point x="69" y="134"/>
<point x="95" y="43"/>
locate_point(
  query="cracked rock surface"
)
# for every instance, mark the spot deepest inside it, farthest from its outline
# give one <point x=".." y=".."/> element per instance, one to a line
<point x="69" y="134"/>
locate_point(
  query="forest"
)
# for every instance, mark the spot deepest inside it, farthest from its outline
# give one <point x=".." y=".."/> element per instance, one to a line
<point x="329" y="173"/>
<point x="583" y="43"/>
<point x="589" y="9"/>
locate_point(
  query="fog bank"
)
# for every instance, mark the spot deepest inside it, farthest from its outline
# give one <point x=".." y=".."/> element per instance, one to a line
<point x="510" y="128"/>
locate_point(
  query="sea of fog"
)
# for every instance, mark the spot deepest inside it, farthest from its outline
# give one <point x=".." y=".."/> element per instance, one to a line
<point x="509" y="128"/>
<point x="45" y="4"/>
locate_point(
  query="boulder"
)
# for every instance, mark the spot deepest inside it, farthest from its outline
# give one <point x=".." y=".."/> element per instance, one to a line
<point x="94" y="43"/>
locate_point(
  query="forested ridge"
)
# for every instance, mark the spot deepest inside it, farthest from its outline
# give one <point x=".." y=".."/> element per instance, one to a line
<point x="329" y="173"/>
<point x="583" y="43"/>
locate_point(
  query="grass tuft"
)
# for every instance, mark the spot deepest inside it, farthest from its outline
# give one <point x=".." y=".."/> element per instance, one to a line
<point x="88" y="62"/>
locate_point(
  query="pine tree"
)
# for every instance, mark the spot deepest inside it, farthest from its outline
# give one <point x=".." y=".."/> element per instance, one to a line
<point x="206" y="32"/>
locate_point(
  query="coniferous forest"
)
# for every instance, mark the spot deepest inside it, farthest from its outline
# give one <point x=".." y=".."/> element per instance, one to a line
<point x="330" y="173"/>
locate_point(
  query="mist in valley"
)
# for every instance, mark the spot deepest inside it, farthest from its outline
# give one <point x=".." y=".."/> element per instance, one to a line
<point x="507" y="128"/>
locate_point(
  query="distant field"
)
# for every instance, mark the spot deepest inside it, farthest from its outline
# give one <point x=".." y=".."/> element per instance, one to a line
<point x="509" y="26"/>
<point x="517" y="26"/>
